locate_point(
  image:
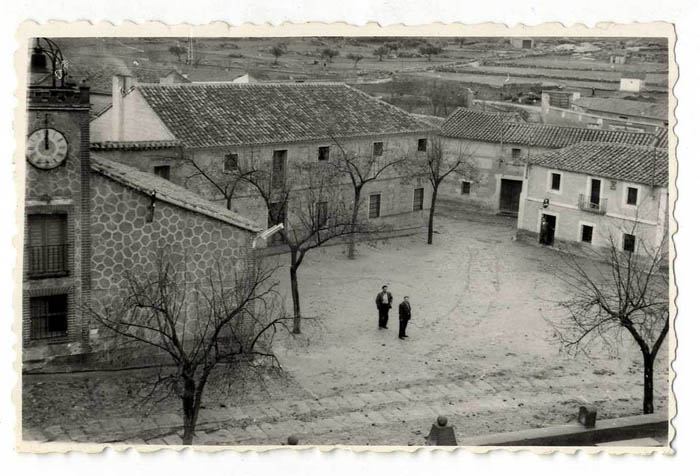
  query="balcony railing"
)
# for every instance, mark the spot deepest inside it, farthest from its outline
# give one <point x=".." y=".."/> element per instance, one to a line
<point x="48" y="260"/>
<point x="600" y="206"/>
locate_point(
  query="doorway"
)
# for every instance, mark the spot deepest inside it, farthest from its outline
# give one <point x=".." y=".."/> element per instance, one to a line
<point x="595" y="193"/>
<point x="547" y="228"/>
<point x="510" y="196"/>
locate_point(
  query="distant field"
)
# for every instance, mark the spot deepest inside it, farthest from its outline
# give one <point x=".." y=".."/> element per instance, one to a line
<point x="566" y="62"/>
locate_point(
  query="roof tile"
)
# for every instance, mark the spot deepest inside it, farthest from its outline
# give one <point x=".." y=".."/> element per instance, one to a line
<point x="631" y="163"/>
<point x="167" y="191"/>
<point x="494" y="127"/>
<point x="225" y="114"/>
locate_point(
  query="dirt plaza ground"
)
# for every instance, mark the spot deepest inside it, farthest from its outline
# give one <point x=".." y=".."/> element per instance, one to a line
<point x="479" y="350"/>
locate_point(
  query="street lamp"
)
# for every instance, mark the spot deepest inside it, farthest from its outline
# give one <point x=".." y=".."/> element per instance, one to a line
<point x="267" y="234"/>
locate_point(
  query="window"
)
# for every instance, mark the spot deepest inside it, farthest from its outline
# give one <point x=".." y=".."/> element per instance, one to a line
<point x="378" y="149"/>
<point x="279" y="167"/>
<point x="466" y="187"/>
<point x="375" y="204"/>
<point x="231" y="163"/>
<point x="417" y="199"/>
<point x="321" y="214"/>
<point x="515" y="153"/>
<point x="324" y="153"/>
<point x="586" y="233"/>
<point x="162" y="171"/>
<point x="49" y="316"/>
<point x="632" y="196"/>
<point x="555" y="182"/>
<point x="422" y="145"/>
<point x="48" y="247"/>
<point x="628" y="242"/>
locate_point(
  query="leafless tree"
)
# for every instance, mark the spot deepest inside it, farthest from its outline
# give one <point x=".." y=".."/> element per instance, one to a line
<point x="435" y="165"/>
<point x="227" y="182"/>
<point x="360" y="168"/>
<point x="614" y="294"/>
<point x="311" y="205"/>
<point x="227" y="317"/>
<point x="177" y="51"/>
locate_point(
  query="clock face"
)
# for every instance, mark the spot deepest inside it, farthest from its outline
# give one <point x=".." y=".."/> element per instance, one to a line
<point x="46" y="148"/>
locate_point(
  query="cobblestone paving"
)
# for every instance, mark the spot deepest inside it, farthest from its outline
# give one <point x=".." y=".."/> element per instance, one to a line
<point x="360" y="418"/>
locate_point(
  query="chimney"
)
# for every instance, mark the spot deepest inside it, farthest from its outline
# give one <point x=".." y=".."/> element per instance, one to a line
<point x="470" y="98"/>
<point x="545" y="103"/>
<point x="121" y="83"/>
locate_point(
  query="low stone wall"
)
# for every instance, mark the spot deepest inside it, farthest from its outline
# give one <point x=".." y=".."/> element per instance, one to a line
<point x="617" y="429"/>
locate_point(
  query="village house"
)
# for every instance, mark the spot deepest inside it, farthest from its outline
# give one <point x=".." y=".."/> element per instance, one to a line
<point x="224" y="128"/>
<point x="632" y="82"/>
<point x="88" y="220"/>
<point x="498" y="148"/>
<point x="625" y="114"/>
<point x="596" y="195"/>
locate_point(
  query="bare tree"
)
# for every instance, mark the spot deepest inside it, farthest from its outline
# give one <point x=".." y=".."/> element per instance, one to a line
<point x="227" y="179"/>
<point x="312" y="208"/>
<point x="361" y="169"/>
<point x="435" y="165"/>
<point x="617" y="293"/>
<point x="228" y="316"/>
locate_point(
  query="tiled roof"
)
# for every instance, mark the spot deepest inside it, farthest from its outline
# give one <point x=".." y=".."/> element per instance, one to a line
<point x="168" y="192"/>
<point x="625" y="107"/>
<point x="662" y="138"/>
<point x="135" y="145"/>
<point x="493" y="127"/>
<point x="638" y="164"/>
<point x="210" y="115"/>
<point x="435" y="122"/>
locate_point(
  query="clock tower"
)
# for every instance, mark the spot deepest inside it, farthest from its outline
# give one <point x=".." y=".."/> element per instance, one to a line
<point x="56" y="272"/>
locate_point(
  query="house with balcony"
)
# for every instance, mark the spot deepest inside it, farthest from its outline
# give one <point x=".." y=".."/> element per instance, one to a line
<point x="498" y="145"/>
<point x="595" y="195"/>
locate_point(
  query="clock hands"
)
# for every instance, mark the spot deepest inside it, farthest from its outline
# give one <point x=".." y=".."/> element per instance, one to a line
<point x="46" y="132"/>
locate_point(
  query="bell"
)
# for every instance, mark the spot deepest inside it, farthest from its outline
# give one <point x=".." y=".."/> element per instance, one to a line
<point x="38" y="63"/>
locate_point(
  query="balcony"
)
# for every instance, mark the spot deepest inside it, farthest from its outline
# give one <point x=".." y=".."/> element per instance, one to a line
<point x="598" y="207"/>
<point x="48" y="261"/>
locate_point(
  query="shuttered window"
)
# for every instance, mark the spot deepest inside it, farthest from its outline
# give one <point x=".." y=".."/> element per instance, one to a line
<point x="375" y="204"/>
<point x="48" y="247"/>
<point x="279" y="168"/>
<point x="417" y="199"/>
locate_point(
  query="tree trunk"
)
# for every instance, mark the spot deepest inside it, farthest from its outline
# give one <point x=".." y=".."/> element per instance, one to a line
<point x="433" y="201"/>
<point x="648" y="405"/>
<point x="355" y="213"/>
<point x="295" y="295"/>
<point x="188" y="410"/>
<point x="229" y="201"/>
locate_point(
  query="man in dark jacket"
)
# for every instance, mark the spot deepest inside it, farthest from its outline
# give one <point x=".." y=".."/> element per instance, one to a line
<point x="404" y="317"/>
<point x="383" y="302"/>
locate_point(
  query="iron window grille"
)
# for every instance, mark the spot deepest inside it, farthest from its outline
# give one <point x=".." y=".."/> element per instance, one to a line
<point x="49" y="316"/>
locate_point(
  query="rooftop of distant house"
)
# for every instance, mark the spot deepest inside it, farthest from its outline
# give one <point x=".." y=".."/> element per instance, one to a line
<point x="168" y="192"/>
<point x="435" y="122"/>
<point x="630" y="163"/>
<point x="482" y="126"/>
<point x="625" y="107"/>
<point x="229" y="114"/>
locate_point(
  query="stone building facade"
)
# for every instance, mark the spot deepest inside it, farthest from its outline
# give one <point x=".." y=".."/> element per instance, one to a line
<point x="216" y="125"/>
<point x="498" y="147"/>
<point x="593" y="195"/>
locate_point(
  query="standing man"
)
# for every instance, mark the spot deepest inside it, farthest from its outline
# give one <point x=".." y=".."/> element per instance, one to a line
<point x="404" y="317"/>
<point x="383" y="302"/>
